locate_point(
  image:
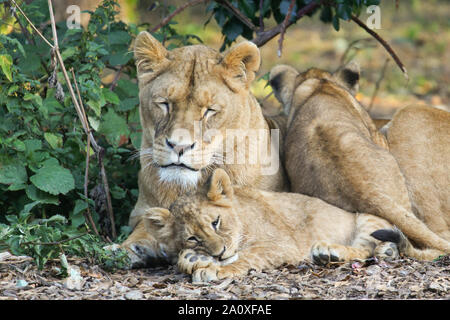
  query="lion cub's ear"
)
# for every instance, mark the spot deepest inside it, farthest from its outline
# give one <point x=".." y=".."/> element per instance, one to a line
<point x="282" y="80"/>
<point x="348" y="76"/>
<point x="220" y="190"/>
<point x="148" y="52"/>
<point x="157" y="219"/>
<point x="239" y="64"/>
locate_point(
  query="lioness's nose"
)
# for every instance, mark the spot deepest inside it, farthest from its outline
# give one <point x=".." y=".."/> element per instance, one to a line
<point x="179" y="149"/>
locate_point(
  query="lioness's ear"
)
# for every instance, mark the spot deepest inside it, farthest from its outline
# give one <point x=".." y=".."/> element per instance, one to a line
<point x="220" y="190"/>
<point x="240" y="63"/>
<point x="157" y="218"/>
<point x="348" y="76"/>
<point x="148" y="53"/>
<point x="282" y="80"/>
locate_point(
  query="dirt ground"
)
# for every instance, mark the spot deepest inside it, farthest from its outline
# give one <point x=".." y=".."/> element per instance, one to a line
<point x="401" y="279"/>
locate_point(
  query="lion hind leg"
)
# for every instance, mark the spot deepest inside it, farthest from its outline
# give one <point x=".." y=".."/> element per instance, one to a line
<point x="361" y="246"/>
<point x="323" y="253"/>
<point x="403" y="244"/>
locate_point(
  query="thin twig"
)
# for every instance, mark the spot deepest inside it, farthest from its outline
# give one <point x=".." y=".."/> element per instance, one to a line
<point x="263" y="37"/>
<point x="167" y="19"/>
<point x="116" y="78"/>
<point x="31" y="24"/>
<point x="284" y="26"/>
<point x="238" y="14"/>
<point x="88" y="215"/>
<point x="383" y="43"/>
<point x="377" y="84"/>
<point x="82" y="116"/>
<point x="350" y="46"/>
<point x="261" y="16"/>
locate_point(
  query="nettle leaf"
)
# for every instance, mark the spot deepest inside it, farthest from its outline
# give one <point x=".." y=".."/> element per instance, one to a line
<point x="110" y="96"/>
<point x="53" y="178"/>
<point x="114" y="127"/>
<point x="54" y="140"/>
<point x="5" y="65"/>
<point x="38" y="195"/>
<point x="13" y="174"/>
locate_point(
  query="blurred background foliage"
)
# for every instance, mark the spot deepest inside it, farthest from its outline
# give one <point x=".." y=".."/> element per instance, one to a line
<point x="42" y="144"/>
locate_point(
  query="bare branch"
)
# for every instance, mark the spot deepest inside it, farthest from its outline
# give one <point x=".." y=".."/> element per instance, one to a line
<point x="261" y="17"/>
<point x="87" y="216"/>
<point x="237" y="14"/>
<point x="31" y="24"/>
<point x="263" y="37"/>
<point x="383" y="43"/>
<point x="377" y="84"/>
<point x="284" y="26"/>
<point x="82" y="116"/>
<point x="167" y="19"/>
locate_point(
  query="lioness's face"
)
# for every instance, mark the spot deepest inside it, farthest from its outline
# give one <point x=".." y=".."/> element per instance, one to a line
<point x="186" y="121"/>
<point x="188" y="98"/>
<point x="208" y="228"/>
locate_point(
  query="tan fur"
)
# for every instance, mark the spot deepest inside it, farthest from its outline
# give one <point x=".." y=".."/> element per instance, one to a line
<point x="334" y="151"/>
<point x="261" y="229"/>
<point x="176" y="89"/>
<point x="419" y="139"/>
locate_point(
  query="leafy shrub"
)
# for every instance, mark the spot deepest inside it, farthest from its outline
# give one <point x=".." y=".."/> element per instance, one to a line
<point x="42" y="143"/>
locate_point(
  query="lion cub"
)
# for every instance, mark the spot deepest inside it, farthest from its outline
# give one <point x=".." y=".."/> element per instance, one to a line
<point x="228" y="230"/>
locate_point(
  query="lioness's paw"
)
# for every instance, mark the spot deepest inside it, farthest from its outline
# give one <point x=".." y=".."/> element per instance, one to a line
<point x="323" y="253"/>
<point x="387" y="251"/>
<point x="189" y="261"/>
<point x="142" y="255"/>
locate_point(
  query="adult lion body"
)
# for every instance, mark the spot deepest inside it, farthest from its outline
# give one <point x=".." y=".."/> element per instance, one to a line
<point x="191" y="98"/>
<point x="333" y="151"/>
<point x="419" y="139"/>
<point x="226" y="231"/>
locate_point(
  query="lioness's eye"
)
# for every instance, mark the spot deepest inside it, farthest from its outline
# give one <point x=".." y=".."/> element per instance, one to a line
<point x="215" y="223"/>
<point x="209" y="112"/>
<point x="164" y="105"/>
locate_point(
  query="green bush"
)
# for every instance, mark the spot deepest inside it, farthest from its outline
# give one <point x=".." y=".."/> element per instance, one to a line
<point x="42" y="143"/>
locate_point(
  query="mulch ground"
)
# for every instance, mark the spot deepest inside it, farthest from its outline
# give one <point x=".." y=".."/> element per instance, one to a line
<point x="400" y="279"/>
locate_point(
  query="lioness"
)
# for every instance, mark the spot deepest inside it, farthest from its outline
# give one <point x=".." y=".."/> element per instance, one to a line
<point x="191" y="100"/>
<point x="333" y="150"/>
<point x="227" y="230"/>
<point x="419" y="139"/>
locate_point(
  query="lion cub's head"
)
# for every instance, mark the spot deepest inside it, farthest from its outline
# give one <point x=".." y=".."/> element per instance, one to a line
<point x="188" y="97"/>
<point x="204" y="222"/>
<point x="289" y="85"/>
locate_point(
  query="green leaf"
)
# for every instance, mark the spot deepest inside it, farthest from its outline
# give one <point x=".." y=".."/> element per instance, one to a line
<point x="55" y="141"/>
<point x="13" y="174"/>
<point x="77" y="216"/>
<point x="95" y="106"/>
<point x="5" y="65"/>
<point x="54" y="179"/>
<point x="110" y="96"/>
<point x="113" y="127"/>
<point x="38" y="195"/>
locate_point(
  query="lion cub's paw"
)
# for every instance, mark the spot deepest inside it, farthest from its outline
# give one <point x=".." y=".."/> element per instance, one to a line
<point x="387" y="251"/>
<point x="323" y="253"/>
<point x="208" y="274"/>
<point x="189" y="261"/>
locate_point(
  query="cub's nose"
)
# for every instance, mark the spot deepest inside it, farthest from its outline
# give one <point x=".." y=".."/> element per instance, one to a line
<point x="179" y="149"/>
